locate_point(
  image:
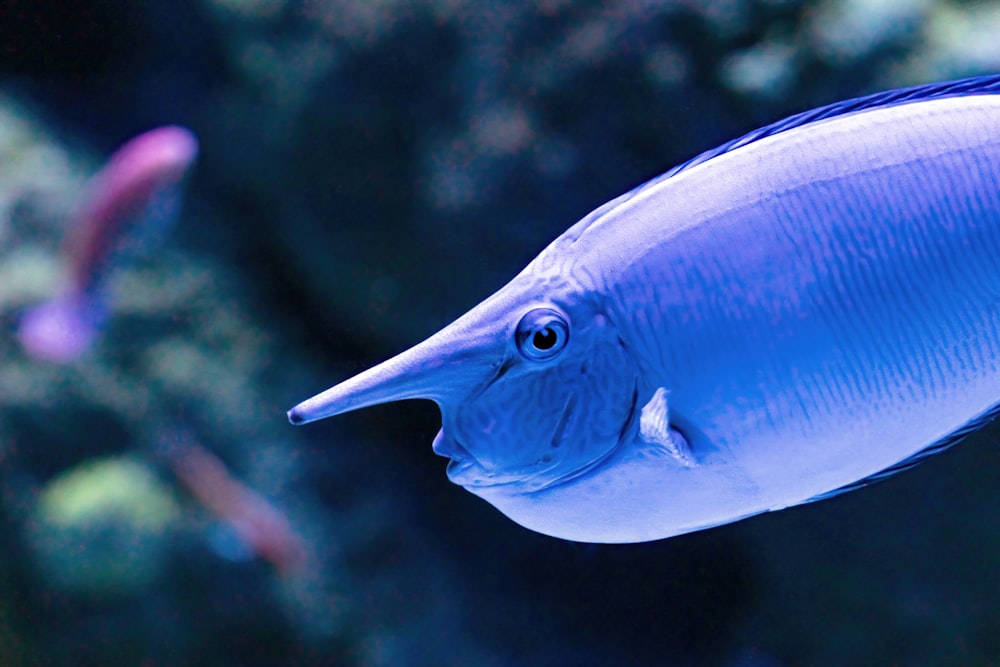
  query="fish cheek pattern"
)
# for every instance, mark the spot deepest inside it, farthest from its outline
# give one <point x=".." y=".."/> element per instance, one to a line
<point x="541" y="424"/>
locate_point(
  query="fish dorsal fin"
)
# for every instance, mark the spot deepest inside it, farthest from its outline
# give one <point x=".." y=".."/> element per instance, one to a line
<point x="918" y="458"/>
<point x="980" y="85"/>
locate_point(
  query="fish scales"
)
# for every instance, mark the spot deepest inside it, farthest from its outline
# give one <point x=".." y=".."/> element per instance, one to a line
<point x="807" y="308"/>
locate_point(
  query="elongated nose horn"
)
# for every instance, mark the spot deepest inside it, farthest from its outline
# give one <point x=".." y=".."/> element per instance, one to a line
<point x="451" y="361"/>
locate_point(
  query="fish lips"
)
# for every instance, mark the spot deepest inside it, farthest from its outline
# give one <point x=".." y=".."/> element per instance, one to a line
<point x="463" y="468"/>
<point x="467" y="472"/>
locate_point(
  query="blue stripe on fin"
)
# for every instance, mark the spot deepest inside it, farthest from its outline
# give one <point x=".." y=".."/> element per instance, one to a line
<point x="938" y="447"/>
<point x="980" y="85"/>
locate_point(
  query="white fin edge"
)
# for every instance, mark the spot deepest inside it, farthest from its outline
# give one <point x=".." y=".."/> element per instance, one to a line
<point x="654" y="428"/>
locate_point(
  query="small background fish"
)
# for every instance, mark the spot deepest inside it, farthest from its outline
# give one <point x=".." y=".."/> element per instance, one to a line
<point x="367" y="173"/>
<point x="127" y="207"/>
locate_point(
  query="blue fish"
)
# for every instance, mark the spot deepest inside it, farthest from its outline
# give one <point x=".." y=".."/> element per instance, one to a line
<point x="801" y="311"/>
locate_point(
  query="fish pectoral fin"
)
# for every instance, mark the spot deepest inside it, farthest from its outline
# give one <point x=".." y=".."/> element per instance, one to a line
<point x="654" y="428"/>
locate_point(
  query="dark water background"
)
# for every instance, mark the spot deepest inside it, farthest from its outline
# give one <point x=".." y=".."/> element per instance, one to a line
<point x="369" y="170"/>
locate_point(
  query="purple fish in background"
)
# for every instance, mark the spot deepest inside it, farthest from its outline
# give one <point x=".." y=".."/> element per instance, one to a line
<point x="261" y="529"/>
<point x="801" y="311"/>
<point x="135" y="195"/>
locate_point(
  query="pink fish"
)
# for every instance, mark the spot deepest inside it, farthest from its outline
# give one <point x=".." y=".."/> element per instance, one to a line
<point x="137" y="189"/>
<point x="260" y="527"/>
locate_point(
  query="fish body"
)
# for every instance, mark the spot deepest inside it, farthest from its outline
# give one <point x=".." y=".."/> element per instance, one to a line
<point x="789" y="315"/>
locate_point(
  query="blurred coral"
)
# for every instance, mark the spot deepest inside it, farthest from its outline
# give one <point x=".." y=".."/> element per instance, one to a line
<point x="102" y="527"/>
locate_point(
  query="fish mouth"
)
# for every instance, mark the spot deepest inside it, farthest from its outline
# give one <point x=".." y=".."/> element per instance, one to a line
<point x="462" y="463"/>
<point x="470" y="474"/>
<point x="463" y="468"/>
<point x="466" y="471"/>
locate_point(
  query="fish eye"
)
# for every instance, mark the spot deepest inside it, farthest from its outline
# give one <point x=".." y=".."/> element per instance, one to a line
<point x="542" y="334"/>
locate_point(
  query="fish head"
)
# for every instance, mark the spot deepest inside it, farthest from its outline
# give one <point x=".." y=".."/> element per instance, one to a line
<point x="559" y="399"/>
<point x="544" y="408"/>
<point x="534" y="385"/>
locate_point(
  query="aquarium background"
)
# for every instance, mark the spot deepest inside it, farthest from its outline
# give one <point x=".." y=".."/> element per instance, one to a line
<point x="369" y="170"/>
